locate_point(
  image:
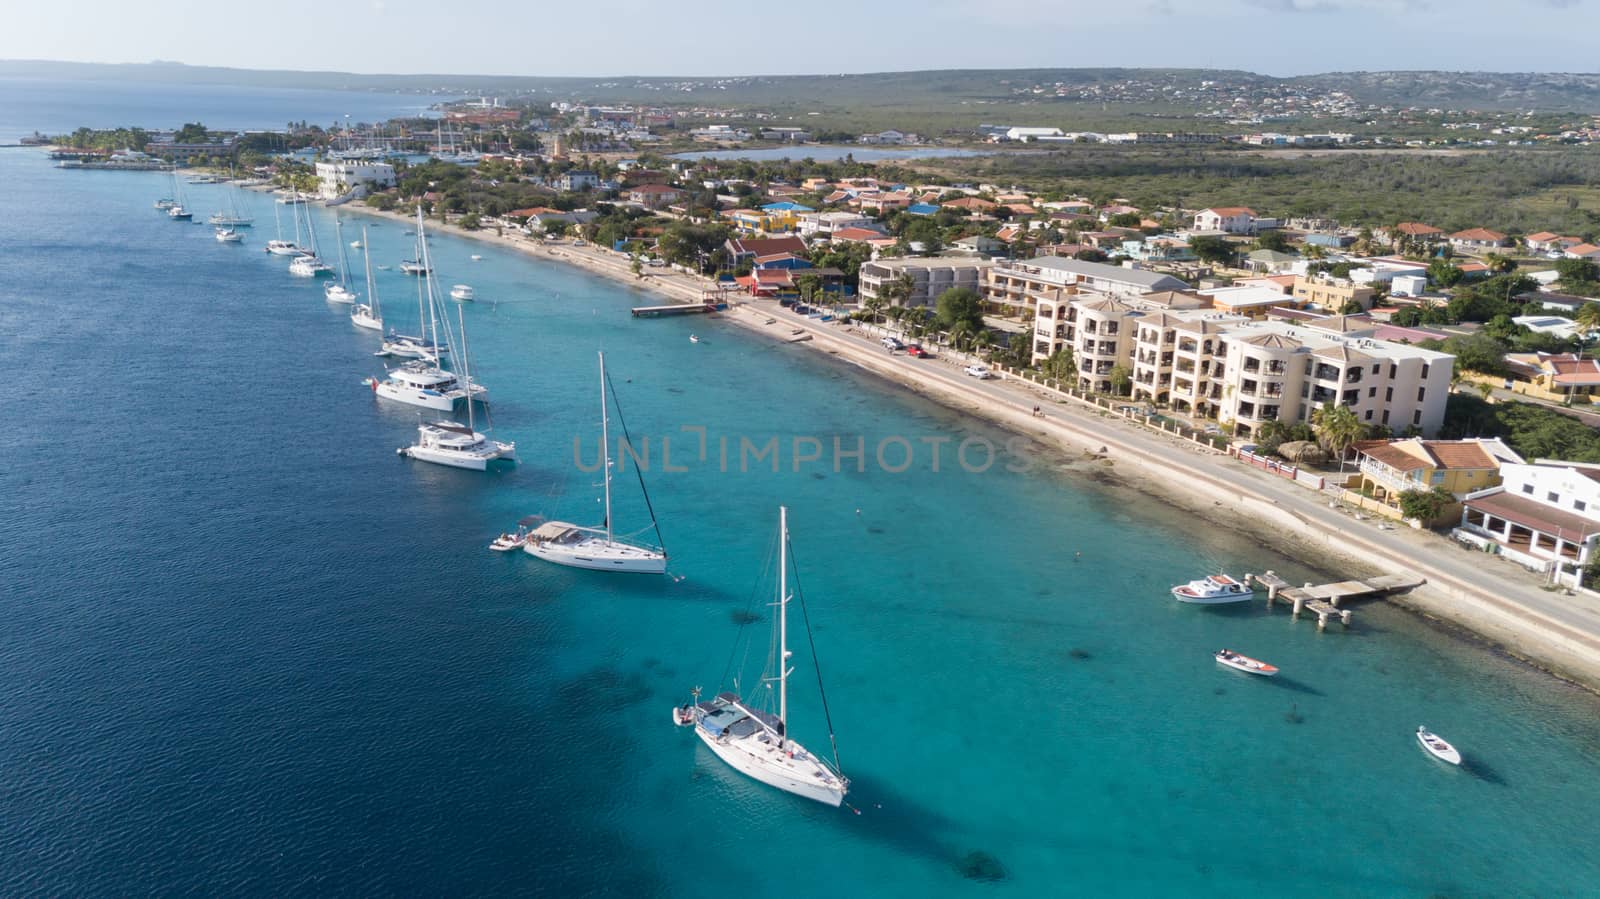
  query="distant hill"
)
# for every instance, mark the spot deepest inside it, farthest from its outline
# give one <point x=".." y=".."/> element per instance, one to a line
<point x="925" y="90"/>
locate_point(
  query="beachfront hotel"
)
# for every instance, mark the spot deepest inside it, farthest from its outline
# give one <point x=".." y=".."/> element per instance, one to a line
<point x="1239" y="370"/>
<point x="1017" y="285"/>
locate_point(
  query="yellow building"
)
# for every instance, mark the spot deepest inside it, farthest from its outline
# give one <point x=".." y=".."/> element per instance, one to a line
<point x="1388" y="468"/>
<point x="1330" y="294"/>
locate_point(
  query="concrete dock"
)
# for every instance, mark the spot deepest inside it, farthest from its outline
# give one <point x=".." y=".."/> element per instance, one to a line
<point x="673" y="309"/>
<point x="1323" y="600"/>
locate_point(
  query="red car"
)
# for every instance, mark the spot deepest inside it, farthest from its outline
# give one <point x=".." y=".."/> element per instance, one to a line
<point x="915" y="350"/>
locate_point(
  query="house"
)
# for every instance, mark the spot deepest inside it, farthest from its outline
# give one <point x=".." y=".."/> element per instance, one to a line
<point x="1477" y="239"/>
<point x="782" y="260"/>
<point x="1584" y="251"/>
<point x="969" y="204"/>
<point x="882" y="202"/>
<point x="825" y="224"/>
<point x="1389" y="468"/>
<point x="1415" y="232"/>
<point x="1228" y="219"/>
<point x="884" y="137"/>
<point x="578" y="180"/>
<point x="741" y="249"/>
<point x="1545" y="241"/>
<point x="654" y="196"/>
<point x="1248" y="302"/>
<point x="1270" y="261"/>
<point x="1545" y="516"/>
<point x="1557" y="377"/>
<point x="979" y="245"/>
<point x="876" y="239"/>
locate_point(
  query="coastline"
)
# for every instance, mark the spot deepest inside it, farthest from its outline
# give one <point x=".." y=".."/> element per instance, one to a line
<point x="1494" y="603"/>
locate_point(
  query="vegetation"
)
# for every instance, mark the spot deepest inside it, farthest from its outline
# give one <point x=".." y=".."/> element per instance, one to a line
<point x="1425" y="505"/>
<point x="1337" y="429"/>
<point x="1534" y="431"/>
<point x="1060" y="366"/>
<point x="959" y="306"/>
<point x="1273" y="434"/>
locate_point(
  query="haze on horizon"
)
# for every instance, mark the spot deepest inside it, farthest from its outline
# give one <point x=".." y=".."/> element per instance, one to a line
<point x="723" y="37"/>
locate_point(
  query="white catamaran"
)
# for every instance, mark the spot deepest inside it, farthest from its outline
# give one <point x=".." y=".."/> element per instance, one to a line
<point x="450" y="443"/>
<point x="755" y="741"/>
<point x="599" y="548"/>
<point x="278" y="246"/>
<point x="422" y="381"/>
<point x="367" y="315"/>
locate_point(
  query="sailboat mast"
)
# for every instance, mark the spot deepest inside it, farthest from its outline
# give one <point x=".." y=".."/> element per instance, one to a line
<point x="366" y="258"/>
<point x="605" y="445"/>
<point x="297" y="219"/>
<point x="466" y="371"/>
<point x="344" y="261"/>
<point x="427" y="278"/>
<point x="783" y="624"/>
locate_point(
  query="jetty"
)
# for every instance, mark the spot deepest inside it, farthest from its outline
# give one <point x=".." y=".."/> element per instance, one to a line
<point x="1324" y="600"/>
<point x="674" y="309"/>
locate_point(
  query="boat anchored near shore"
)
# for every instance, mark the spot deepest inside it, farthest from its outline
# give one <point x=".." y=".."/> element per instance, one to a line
<point x="1213" y="590"/>
<point x="1241" y="662"/>
<point x="1437" y="746"/>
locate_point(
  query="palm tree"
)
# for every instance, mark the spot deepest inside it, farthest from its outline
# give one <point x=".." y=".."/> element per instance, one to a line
<point x="874" y="306"/>
<point x="1587" y="318"/>
<point x="1337" y="429"/>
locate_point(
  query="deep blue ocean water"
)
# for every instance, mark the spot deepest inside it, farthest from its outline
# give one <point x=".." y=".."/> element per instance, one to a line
<point x="248" y="651"/>
<point x="59" y="107"/>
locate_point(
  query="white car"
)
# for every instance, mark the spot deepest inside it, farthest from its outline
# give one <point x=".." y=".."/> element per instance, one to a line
<point x="981" y="372"/>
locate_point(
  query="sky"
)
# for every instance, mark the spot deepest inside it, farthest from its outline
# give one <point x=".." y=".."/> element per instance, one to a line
<point x="738" y="37"/>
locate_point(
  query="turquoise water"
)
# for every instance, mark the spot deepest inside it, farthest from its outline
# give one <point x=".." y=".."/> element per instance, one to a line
<point x="250" y="652"/>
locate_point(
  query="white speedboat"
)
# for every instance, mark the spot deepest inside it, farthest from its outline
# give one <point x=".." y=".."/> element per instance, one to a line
<point x="283" y="248"/>
<point x="1438" y="747"/>
<point x="459" y="446"/>
<point x="462" y="292"/>
<point x="693" y="338"/>
<point x="1213" y="590"/>
<point x="1240" y="662"/>
<point x="598" y="548"/>
<point x="308" y="265"/>
<point x="476" y="258"/>
<point x="509" y="542"/>
<point x="356" y="244"/>
<point x="229" y="235"/>
<point x="422" y="383"/>
<point x="754" y="741"/>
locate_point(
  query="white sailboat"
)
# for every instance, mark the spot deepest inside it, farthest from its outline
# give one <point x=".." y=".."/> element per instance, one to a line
<point x="231" y="218"/>
<point x="449" y="443"/>
<point x="418" y="346"/>
<point x="308" y="264"/>
<point x="176" y="211"/>
<point x="279" y="246"/>
<point x="756" y="742"/>
<point x="340" y="292"/>
<point x="367" y="315"/>
<point x="423" y="382"/>
<point x="599" y="548"/>
<point x="229" y="235"/>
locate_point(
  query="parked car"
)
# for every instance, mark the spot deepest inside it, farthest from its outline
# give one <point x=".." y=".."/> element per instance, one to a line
<point x="891" y="344"/>
<point x="981" y="372"/>
<point x="915" y="349"/>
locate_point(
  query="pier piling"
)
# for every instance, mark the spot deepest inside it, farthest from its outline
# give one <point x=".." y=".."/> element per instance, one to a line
<point x="1324" y="601"/>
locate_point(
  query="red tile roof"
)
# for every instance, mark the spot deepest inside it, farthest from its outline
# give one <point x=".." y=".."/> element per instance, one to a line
<point x="1479" y="234"/>
<point x="1417" y="229"/>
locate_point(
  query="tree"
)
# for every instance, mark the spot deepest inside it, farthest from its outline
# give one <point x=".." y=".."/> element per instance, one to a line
<point x="1443" y="274"/>
<point x="1209" y="248"/>
<point x="874" y="306"/>
<point x="1577" y="271"/>
<point x="1090" y="254"/>
<point x="1425" y="505"/>
<point x="1337" y="429"/>
<point x="957" y="306"/>
<point x="1273" y="240"/>
<point x="1587" y="318"/>
<point x="1060" y="365"/>
<point x="1121" y="379"/>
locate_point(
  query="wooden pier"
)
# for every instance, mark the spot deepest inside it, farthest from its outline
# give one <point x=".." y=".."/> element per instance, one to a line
<point x="1323" y="600"/>
<point x="674" y="309"/>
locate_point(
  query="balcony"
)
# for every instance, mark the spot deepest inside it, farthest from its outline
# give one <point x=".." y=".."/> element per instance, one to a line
<point x="1277" y="368"/>
<point x="1248" y="387"/>
<point x="1252" y="366"/>
<point x="1273" y="389"/>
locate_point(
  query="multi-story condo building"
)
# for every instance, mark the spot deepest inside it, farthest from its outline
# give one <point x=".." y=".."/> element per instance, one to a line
<point x="1244" y="372"/>
<point x="1017" y="284"/>
<point x="930" y="276"/>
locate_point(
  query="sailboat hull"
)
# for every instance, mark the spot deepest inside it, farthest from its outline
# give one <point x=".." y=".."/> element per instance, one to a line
<point x="427" y="399"/>
<point x="770" y="769"/>
<point x="361" y="317"/>
<point x="596" y="555"/>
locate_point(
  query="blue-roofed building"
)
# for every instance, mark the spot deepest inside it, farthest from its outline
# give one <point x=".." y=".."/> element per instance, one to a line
<point x="922" y="209"/>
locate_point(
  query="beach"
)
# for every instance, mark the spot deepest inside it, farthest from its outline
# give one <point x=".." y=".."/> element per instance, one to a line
<point x="1487" y="597"/>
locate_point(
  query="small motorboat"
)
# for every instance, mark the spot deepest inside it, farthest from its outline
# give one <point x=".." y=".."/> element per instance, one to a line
<point x="694" y="338"/>
<point x="1218" y="588"/>
<point x="462" y="292"/>
<point x="1241" y="662"/>
<point x="355" y="244"/>
<point x="476" y="258"/>
<point x="508" y="542"/>
<point x="1438" y="747"/>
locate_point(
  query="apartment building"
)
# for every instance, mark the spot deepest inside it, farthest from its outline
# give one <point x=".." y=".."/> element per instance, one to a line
<point x="930" y="276"/>
<point x="1244" y="371"/>
<point x="1018" y="284"/>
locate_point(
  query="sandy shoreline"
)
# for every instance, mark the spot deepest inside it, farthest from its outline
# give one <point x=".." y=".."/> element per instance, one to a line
<point x="1480" y="594"/>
